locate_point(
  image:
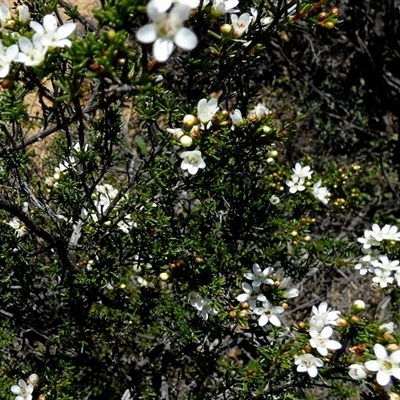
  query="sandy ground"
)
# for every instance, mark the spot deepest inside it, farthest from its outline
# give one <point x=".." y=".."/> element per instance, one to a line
<point x="86" y="6"/>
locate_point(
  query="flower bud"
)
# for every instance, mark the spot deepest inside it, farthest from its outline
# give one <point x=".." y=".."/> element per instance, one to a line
<point x="335" y="11"/>
<point x="355" y="319"/>
<point x="33" y="379"/>
<point x="23" y="14"/>
<point x="266" y="129"/>
<point x="7" y="83"/>
<point x="189" y="121"/>
<point x="11" y="24"/>
<point x="186" y="141"/>
<point x="245" y="305"/>
<point x="273" y="153"/>
<point x="307" y="348"/>
<point x="164" y="276"/>
<point x="358" y="306"/>
<point x="243" y="314"/>
<point x="226" y="31"/>
<point x="342" y="322"/>
<point x="302" y="325"/>
<point x="322" y="16"/>
<point x="198" y="260"/>
<point x="328" y="25"/>
<point x="111" y="35"/>
<point x="284" y="305"/>
<point x="392" y="347"/>
<point x="270" y="160"/>
<point x="232" y="314"/>
<point x="307" y="238"/>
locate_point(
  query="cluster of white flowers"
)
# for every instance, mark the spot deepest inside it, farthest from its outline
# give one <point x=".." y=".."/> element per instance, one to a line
<point x="24" y="389"/>
<point x="32" y="52"/>
<point x="204" y="307"/>
<point x="375" y="236"/>
<point x="68" y="164"/>
<point x="103" y="196"/>
<point x="320" y="333"/>
<point x="268" y="313"/>
<point x="384" y="365"/>
<point x="386" y="271"/>
<point x="297" y="183"/>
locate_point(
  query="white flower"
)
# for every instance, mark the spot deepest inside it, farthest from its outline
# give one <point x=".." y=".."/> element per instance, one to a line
<point x="320" y="340"/>
<point x="23" y="14"/>
<point x="308" y="363"/>
<point x="320" y="192"/>
<point x="385" y="366"/>
<point x="274" y="200"/>
<point x="206" y="110"/>
<point x="265" y="21"/>
<point x="236" y="117"/>
<point x="192" y="161"/>
<point x="302" y="172"/>
<point x="386" y="233"/>
<point x="296" y="184"/>
<point x="206" y="309"/>
<point x="125" y="225"/>
<point x="323" y="316"/>
<point x="4" y="13"/>
<point x="23" y="391"/>
<point x="50" y="34"/>
<point x="33" y="53"/>
<point x="6" y="58"/>
<point x="259" y="276"/>
<point x="258" y="112"/>
<point x="164" y="5"/>
<point x="195" y="300"/>
<point x="268" y="314"/>
<point x="383" y="277"/>
<point x="176" y="133"/>
<point x="357" y="372"/>
<point x="364" y="264"/>
<point x="393" y="234"/>
<point x="388" y="327"/>
<point x="167" y="29"/>
<point x="251" y="295"/>
<point x="19" y="227"/>
<point x="289" y="292"/>
<point x="385" y="264"/>
<point x="368" y="240"/>
<point x="240" y="24"/>
<point x="141" y="281"/>
<point x="221" y="7"/>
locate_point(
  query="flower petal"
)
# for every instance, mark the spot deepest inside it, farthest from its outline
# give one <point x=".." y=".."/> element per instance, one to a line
<point x="185" y="39"/>
<point x="147" y="33"/>
<point x="382" y="378"/>
<point x="380" y="352"/>
<point x="37" y="27"/>
<point x="50" y="23"/>
<point x="162" y="49"/>
<point x="65" y="30"/>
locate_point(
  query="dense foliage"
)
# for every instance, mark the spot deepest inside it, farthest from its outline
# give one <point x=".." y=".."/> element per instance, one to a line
<point x="200" y="200"/>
